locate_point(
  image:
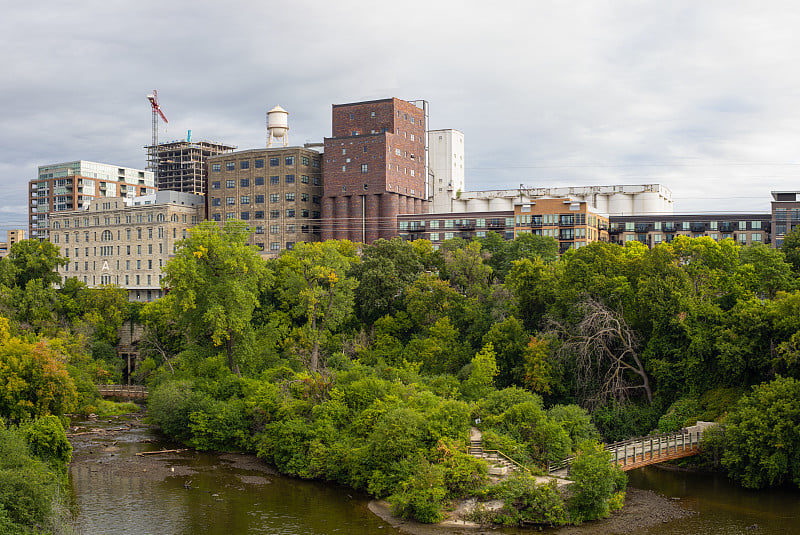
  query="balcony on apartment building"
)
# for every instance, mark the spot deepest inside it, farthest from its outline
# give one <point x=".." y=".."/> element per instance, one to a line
<point x="496" y="223"/>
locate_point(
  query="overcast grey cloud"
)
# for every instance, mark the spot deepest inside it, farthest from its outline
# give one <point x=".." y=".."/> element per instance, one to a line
<point x="699" y="96"/>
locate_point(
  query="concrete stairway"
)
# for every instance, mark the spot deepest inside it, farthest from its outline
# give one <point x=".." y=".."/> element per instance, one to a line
<point x="498" y="465"/>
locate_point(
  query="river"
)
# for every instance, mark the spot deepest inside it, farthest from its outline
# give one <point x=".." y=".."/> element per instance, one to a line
<point x="192" y="493"/>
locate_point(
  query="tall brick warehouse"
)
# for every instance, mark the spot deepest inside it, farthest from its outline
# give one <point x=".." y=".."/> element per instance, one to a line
<point x="374" y="169"/>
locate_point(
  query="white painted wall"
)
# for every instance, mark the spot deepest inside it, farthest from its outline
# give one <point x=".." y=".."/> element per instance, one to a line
<point x="446" y="164"/>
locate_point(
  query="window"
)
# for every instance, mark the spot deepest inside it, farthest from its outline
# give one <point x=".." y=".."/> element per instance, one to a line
<point x="305" y="160"/>
<point x="291" y="228"/>
<point x="274" y="229"/>
<point x="244" y="182"/>
<point x="304" y="179"/>
<point x="274" y="214"/>
<point x="230" y="166"/>
<point x="274" y="180"/>
<point x="216" y="201"/>
<point x="304" y="197"/>
<point x="230" y="183"/>
<point x="216" y="217"/>
<point x="259" y="181"/>
<point x="230" y="215"/>
<point x="289" y="245"/>
<point x="315" y="199"/>
<point x="290" y="197"/>
<point x="289" y="160"/>
<point x="230" y="201"/>
<point x="259" y="230"/>
<point x="259" y="214"/>
<point x="244" y="216"/>
<point x="742" y="225"/>
<point x="274" y="246"/>
<point x="304" y="213"/>
<point x="259" y="164"/>
<point x="317" y="181"/>
<point x="259" y="199"/>
<point x="363" y="168"/>
<point x="755" y="225"/>
<point x="274" y="162"/>
<point x="216" y="168"/>
<point x="290" y="212"/>
<point x="273" y="197"/>
<point x="755" y="237"/>
<point x="245" y="199"/>
<point x="290" y="179"/>
<point x="244" y="164"/>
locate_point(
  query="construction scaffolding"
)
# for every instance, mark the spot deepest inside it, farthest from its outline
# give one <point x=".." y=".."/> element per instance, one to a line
<point x="181" y="165"/>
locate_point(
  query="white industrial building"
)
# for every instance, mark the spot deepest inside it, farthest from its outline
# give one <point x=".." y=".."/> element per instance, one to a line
<point x="446" y="168"/>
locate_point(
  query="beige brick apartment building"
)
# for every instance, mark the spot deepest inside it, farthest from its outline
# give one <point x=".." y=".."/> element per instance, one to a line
<point x="125" y="242"/>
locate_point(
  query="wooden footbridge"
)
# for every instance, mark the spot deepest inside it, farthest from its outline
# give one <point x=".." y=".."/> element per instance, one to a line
<point x="122" y="391"/>
<point x="651" y="449"/>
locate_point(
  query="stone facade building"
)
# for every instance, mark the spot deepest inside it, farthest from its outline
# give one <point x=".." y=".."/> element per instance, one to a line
<point x="276" y="191"/>
<point x="125" y="242"/>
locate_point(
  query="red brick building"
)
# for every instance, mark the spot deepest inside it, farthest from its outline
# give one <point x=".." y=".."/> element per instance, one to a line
<point x="374" y="169"/>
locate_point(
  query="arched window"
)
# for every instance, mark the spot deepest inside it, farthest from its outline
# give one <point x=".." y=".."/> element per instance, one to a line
<point x="160" y="217"/>
<point x="106" y="236"/>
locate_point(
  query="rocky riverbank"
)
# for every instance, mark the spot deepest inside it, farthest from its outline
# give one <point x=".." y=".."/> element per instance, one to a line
<point x="643" y="509"/>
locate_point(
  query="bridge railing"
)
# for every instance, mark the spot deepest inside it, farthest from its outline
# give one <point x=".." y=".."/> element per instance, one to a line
<point x="658" y="446"/>
<point x="122" y="390"/>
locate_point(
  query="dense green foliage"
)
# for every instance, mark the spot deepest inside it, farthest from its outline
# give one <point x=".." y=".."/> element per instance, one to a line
<point x="762" y="436"/>
<point x="367" y="364"/>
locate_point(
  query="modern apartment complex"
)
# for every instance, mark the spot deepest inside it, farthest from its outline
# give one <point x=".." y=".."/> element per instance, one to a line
<point x="182" y="164"/>
<point x="69" y="186"/>
<point x="573" y="224"/>
<point x="785" y="214"/>
<point x="277" y="191"/>
<point x="744" y="229"/>
<point x="375" y="169"/>
<point x="125" y="242"/>
<point x="440" y="227"/>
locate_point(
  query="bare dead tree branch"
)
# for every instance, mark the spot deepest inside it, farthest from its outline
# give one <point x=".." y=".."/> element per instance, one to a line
<point x="605" y="352"/>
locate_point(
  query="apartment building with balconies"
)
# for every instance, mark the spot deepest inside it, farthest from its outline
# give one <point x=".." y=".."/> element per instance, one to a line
<point x="653" y="229"/>
<point x="69" y="186"/>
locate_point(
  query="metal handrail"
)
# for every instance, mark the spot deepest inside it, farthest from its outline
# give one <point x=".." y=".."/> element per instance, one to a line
<point x="509" y="459"/>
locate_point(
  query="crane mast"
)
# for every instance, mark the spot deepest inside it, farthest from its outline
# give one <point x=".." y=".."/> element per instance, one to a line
<point x="152" y="152"/>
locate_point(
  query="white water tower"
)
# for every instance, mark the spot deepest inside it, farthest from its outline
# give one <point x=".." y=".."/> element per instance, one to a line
<point x="277" y="126"/>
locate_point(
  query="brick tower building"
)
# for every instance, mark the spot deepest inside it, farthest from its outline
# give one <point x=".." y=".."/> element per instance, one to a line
<point x="374" y="169"/>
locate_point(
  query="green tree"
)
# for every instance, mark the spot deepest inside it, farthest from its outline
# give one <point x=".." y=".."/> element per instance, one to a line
<point x="29" y="260"/>
<point x="34" y="378"/>
<point x="596" y="480"/>
<point x="791" y="248"/>
<point x="762" y="436"/>
<point x="213" y="283"/>
<point x="386" y="269"/>
<point x="482" y="373"/>
<point x="315" y="288"/>
<point x="766" y="270"/>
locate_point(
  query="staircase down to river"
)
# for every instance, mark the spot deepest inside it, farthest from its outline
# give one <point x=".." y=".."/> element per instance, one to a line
<point x="499" y="464"/>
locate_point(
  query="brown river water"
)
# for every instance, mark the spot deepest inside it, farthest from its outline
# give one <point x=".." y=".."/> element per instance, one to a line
<point x="193" y="493"/>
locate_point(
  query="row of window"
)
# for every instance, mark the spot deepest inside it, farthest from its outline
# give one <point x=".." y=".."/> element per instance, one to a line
<point x="632" y="226"/>
<point x="108" y="250"/>
<point x="273" y="214"/>
<point x="755" y="237"/>
<point x="260" y="181"/>
<point x="108" y="235"/>
<point x="115" y="279"/>
<point x="259" y="199"/>
<point x="258" y="163"/>
<point x="496" y="222"/>
<point x="129" y="265"/>
<point x="129" y="219"/>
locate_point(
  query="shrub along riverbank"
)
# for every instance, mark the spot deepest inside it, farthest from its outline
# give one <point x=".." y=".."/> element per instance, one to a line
<point x="395" y="434"/>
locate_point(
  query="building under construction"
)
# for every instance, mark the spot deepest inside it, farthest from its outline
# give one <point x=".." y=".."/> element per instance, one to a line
<point x="181" y="165"/>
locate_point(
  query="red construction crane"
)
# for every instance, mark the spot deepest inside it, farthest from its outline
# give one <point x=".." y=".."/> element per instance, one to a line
<point x="152" y="153"/>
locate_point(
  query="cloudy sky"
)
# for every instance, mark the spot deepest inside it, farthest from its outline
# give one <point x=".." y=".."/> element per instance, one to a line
<point x="701" y="97"/>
